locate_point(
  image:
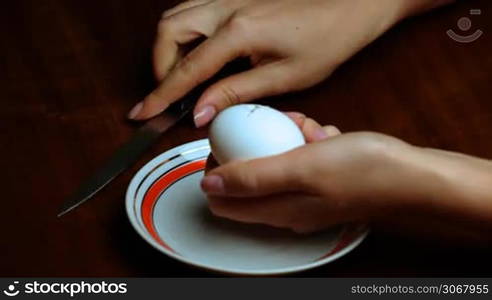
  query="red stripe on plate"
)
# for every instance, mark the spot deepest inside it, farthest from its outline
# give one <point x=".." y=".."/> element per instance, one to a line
<point x="348" y="237"/>
<point x="156" y="189"/>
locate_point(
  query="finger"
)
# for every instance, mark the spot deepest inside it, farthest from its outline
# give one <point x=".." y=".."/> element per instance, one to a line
<point x="183" y="6"/>
<point x="300" y="212"/>
<point x="282" y="210"/>
<point x="255" y="178"/>
<point x="262" y="81"/>
<point x="199" y="65"/>
<point x="165" y="53"/>
<point x="311" y="129"/>
<point x="313" y="132"/>
<point x="179" y="29"/>
<point x="331" y="131"/>
<point x="297" y="117"/>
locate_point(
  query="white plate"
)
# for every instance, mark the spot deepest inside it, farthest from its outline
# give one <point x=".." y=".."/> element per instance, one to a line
<point x="167" y="208"/>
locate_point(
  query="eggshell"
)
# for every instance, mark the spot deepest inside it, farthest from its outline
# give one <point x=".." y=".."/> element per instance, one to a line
<point x="249" y="131"/>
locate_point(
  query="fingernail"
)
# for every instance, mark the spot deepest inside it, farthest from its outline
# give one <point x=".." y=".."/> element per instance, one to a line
<point x="204" y="115"/>
<point x="213" y="184"/>
<point x="135" y="110"/>
<point x="320" y="134"/>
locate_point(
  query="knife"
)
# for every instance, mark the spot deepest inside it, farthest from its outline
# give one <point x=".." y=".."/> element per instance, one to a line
<point x="127" y="154"/>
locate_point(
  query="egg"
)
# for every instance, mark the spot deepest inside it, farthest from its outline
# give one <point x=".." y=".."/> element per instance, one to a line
<point x="249" y="131"/>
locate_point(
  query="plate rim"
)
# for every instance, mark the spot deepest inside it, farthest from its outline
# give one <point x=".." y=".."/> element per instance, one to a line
<point x="129" y="205"/>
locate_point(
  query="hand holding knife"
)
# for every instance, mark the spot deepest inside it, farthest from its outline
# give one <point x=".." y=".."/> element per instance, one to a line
<point x="127" y="154"/>
<point x="143" y="139"/>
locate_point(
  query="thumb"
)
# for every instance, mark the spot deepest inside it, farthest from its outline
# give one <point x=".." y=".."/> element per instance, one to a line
<point x="257" y="177"/>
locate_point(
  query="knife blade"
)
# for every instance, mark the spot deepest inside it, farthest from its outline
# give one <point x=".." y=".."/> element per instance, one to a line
<point x="128" y="153"/>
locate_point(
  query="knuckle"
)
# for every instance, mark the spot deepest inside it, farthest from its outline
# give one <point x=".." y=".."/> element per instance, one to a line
<point x="240" y="23"/>
<point x="374" y="144"/>
<point x="230" y="96"/>
<point x="154" y="97"/>
<point x="187" y="68"/>
<point x="245" y="179"/>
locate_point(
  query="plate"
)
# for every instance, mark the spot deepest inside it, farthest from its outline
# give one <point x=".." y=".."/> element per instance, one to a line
<point x="167" y="208"/>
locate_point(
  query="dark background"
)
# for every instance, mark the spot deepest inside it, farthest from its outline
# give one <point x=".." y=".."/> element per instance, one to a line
<point x="71" y="70"/>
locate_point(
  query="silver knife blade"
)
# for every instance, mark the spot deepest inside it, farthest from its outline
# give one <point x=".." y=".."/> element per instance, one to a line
<point x="127" y="154"/>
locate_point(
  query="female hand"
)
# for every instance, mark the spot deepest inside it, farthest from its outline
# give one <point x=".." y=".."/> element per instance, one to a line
<point x="291" y="44"/>
<point x="331" y="180"/>
<point x="353" y="177"/>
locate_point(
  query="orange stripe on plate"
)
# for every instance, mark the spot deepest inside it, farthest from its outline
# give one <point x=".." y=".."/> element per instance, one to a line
<point x="348" y="237"/>
<point x="156" y="189"/>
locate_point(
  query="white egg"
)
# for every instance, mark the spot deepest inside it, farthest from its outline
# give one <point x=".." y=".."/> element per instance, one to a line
<point x="249" y="131"/>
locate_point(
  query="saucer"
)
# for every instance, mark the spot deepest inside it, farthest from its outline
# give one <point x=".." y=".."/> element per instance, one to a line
<point x="167" y="208"/>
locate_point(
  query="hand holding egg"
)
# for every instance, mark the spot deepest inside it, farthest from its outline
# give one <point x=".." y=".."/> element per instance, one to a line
<point x="328" y="181"/>
<point x="248" y="131"/>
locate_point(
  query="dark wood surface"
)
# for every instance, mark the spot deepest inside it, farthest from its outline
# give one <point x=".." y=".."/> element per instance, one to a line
<point x="70" y="71"/>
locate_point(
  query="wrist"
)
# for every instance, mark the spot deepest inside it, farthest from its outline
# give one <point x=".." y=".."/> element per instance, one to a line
<point x="411" y="179"/>
<point x="447" y="183"/>
<point x="400" y="181"/>
<point x="468" y="181"/>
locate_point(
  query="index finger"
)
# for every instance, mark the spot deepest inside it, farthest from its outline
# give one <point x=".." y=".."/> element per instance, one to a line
<point x="199" y="65"/>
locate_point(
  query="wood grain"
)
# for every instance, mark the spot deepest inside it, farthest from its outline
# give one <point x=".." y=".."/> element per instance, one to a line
<point x="70" y="71"/>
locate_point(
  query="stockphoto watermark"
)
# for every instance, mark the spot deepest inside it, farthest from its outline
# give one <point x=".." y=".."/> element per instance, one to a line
<point x="65" y="288"/>
<point x="438" y="289"/>
<point x="464" y="25"/>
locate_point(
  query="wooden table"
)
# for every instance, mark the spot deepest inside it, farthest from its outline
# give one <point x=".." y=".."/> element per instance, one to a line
<point x="70" y="71"/>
